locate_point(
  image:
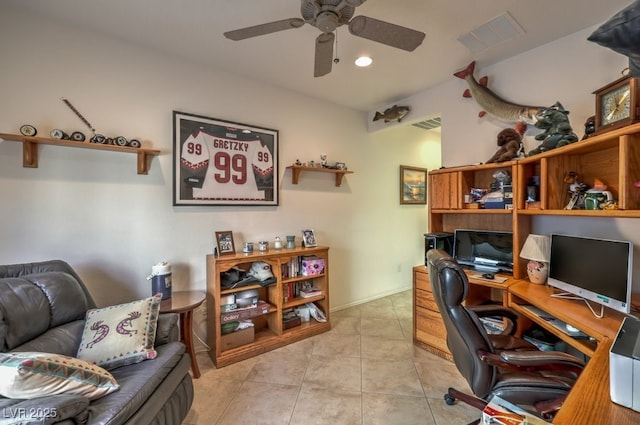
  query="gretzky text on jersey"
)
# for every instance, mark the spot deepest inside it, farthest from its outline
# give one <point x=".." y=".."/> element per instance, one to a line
<point x="231" y="166"/>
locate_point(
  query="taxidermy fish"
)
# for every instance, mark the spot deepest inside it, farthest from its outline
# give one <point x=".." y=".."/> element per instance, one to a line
<point x="494" y="104"/>
<point x="395" y="113"/>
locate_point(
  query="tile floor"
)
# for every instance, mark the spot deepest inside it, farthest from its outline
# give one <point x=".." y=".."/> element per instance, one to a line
<point x="365" y="371"/>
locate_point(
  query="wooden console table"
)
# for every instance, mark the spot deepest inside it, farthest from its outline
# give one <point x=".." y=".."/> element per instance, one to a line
<point x="589" y="401"/>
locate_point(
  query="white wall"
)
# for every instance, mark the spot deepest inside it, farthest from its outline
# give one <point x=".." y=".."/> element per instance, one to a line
<point x="91" y="208"/>
<point x="567" y="70"/>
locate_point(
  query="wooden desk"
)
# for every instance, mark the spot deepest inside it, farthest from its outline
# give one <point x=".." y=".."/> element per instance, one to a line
<point x="589" y="401"/>
<point x="183" y="303"/>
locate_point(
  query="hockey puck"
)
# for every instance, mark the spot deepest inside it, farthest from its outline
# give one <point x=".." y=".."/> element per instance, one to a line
<point x="28" y="130"/>
<point x="56" y="133"/>
<point x="98" y="138"/>
<point x="78" y="136"/>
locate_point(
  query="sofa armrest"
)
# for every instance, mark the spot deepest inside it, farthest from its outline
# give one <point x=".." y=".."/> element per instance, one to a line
<point x="167" y="329"/>
<point x="45" y="410"/>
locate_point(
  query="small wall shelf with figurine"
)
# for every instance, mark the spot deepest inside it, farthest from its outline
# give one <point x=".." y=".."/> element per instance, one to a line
<point x="297" y="169"/>
<point x="30" y="149"/>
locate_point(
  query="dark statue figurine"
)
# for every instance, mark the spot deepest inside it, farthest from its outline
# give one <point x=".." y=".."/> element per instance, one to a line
<point x="589" y="127"/>
<point x="557" y="129"/>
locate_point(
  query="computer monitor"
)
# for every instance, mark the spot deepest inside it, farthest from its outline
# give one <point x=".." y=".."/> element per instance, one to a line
<point x="598" y="270"/>
<point x="484" y="250"/>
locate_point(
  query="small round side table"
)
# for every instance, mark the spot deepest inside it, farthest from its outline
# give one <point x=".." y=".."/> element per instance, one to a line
<point x="183" y="303"/>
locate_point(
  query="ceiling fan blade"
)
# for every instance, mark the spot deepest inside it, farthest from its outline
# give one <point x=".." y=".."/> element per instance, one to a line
<point x="263" y="29"/>
<point x="324" y="54"/>
<point x="386" y="33"/>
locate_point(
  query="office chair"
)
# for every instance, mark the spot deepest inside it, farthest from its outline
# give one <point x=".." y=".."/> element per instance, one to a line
<point x="501" y="365"/>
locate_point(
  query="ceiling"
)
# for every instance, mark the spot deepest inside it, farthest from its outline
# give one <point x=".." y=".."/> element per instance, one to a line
<point x="193" y="30"/>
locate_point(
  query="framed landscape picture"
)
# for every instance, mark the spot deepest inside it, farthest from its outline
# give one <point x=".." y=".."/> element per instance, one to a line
<point x="218" y="162"/>
<point x="413" y="185"/>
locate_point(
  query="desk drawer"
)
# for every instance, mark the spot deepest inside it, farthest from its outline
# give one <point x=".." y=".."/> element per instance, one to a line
<point x="430" y="328"/>
<point x="421" y="281"/>
<point x="425" y="299"/>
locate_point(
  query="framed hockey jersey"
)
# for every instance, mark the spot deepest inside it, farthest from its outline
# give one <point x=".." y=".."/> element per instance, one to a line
<point x="218" y="162"/>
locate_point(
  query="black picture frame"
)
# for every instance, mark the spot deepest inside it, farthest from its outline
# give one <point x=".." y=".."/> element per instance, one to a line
<point x="217" y="162"/>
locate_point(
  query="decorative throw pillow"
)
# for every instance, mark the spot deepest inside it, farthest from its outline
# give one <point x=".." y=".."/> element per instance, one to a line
<point x="32" y="374"/>
<point x="121" y="334"/>
<point x="621" y="33"/>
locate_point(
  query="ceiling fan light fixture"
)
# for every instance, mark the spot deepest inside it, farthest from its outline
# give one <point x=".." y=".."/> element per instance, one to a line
<point x="363" y="61"/>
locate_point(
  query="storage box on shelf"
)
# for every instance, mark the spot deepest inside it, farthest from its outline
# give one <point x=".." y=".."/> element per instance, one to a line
<point x="270" y="331"/>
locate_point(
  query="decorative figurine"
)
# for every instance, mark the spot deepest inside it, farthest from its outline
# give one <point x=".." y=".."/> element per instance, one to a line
<point x="557" y="129"/>
<point x="589" y="127"/>
<point x="323" y="160"/>
<point x="509" y="146"/>
<point x="577" y="190"/>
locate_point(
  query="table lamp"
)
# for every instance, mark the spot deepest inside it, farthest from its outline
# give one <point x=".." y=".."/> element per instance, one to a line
<point x="536" y="249"/>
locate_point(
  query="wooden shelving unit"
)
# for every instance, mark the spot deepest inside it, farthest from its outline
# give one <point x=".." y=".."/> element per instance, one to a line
<point x="30" y="149"/>
<point x="269" y="329"/>
<point x="613" y="157"/>
<point x="297" y="169"/>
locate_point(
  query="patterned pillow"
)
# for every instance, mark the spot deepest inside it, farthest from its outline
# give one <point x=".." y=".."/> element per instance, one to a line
<point x="121" y="334"/>
<point x="31" y="374"/>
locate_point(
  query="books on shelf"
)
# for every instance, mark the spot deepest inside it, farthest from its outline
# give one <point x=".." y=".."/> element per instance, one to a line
<point x="304" y="265"/>
<point x="303" y="288"/>
<point x="310" y="292"/>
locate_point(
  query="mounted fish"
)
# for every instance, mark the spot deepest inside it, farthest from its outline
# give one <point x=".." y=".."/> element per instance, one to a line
<point x="395" y="113"/>
<point x="494" y="104"/>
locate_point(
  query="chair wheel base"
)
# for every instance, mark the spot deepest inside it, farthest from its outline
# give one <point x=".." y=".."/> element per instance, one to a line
<point x="449" y="400"/>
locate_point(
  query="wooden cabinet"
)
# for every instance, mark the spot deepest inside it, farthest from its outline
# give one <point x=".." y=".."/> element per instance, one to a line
<point x="612" y="157"/>
<point x="448" y="211"/>
<point x="270" y="333"/>
<point x="428" y="328"/>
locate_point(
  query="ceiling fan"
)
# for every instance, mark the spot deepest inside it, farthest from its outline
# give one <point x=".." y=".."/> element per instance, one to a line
<point x="327" y="15"/>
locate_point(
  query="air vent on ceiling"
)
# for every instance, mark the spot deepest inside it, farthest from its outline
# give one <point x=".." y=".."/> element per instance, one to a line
<point x="496" y="31"/>
<point x="429" y="124"/>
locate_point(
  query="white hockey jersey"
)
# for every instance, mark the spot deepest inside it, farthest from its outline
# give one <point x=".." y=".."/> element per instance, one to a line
<point x="231" y="164"/>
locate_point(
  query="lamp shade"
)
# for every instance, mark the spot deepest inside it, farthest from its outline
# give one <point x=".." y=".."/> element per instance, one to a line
<point x="537" y="248"/>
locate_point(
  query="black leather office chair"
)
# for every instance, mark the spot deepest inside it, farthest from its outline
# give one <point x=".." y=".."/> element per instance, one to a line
<point x="500" y="365"/>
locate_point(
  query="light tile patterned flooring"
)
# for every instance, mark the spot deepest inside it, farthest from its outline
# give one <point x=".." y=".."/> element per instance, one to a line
<point x="365" y="371"/>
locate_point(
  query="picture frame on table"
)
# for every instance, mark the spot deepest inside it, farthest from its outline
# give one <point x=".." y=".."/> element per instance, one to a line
<point x="224" y="243"/>
<point x="309" y="238"/>
<point x="413" y="185"/>
<point x="218" y="162"/>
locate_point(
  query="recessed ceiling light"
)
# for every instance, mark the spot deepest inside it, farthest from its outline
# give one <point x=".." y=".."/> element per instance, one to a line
<point x="363" y="61"/>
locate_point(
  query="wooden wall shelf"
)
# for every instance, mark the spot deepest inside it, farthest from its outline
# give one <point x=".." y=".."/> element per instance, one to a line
<point x="297" y="169"/>
<point x="30" y="149"/>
